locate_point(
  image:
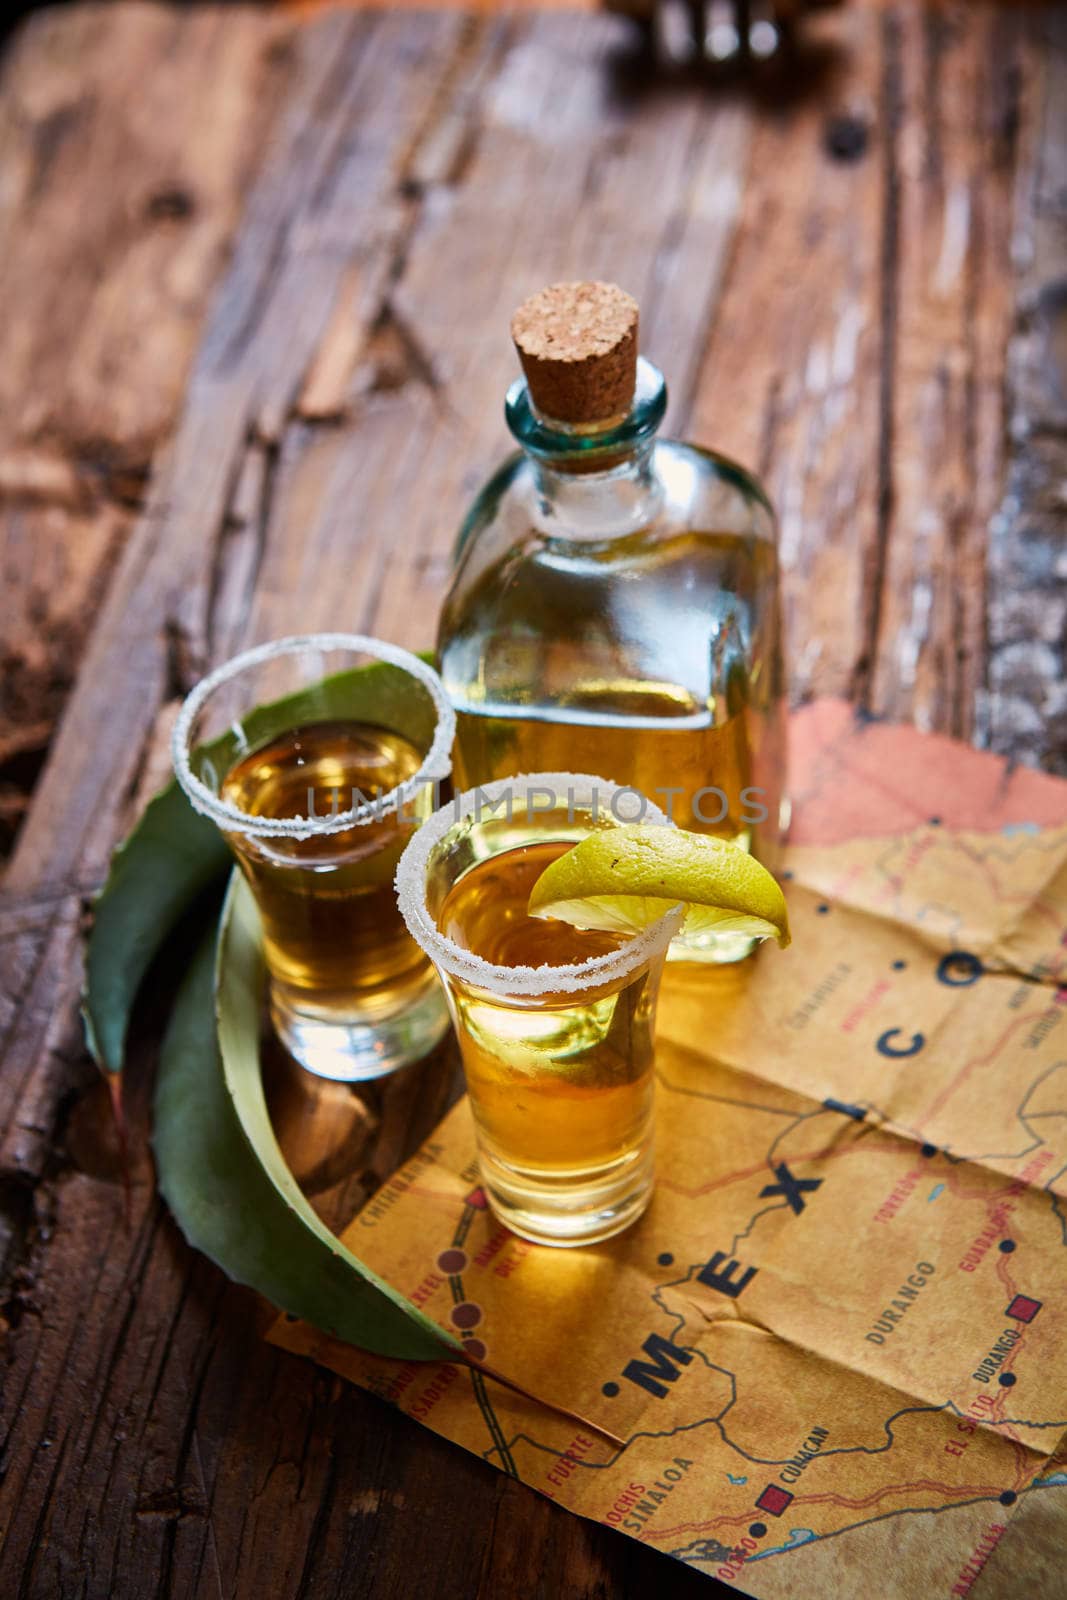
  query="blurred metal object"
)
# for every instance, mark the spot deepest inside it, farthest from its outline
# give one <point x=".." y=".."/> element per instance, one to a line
<point x="717" y="32"/>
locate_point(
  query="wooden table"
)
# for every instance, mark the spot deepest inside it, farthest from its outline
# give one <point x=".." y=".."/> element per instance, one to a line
<point x="256" y="276"/>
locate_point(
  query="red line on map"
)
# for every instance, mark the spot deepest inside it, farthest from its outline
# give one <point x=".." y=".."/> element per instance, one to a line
<point x="1001" y="896"/>
<point x="1024" y="1020"/>
<point x="1025" y="1472"/>
<point x="962" y="1491"/>
<point x="1004" y="1274"/>
<point x="989" y="1197"/>
<point x="760" y="1168"/>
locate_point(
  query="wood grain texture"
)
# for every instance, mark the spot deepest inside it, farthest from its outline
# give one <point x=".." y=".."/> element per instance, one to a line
<point x="792" y="382"/>
<point x="306" y="399"/>
<point x="877" y="243"/>
<point x="1024" y="708"/>
<point x="116" y="211"/>
<point x="959" y="115"/>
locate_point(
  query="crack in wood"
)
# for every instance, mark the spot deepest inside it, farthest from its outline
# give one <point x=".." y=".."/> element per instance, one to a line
<point x="891" y="115"/>
<point x="238" y="550"/>
<point x="443" y="146"/>
<point x="1023" y="709"/>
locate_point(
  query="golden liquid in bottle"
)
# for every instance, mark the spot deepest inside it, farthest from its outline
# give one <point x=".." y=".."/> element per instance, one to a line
<point x="699" y="773"/>
<point x="334" y="938"/>
<point x="575" y="674"/>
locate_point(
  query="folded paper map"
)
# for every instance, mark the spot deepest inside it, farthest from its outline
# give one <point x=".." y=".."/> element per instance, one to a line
<point x="836" y="1345"/>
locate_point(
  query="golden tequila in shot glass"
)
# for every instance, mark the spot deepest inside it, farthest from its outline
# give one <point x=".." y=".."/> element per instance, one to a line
<point x="318" y="757"/>
<point x="555" y="1024"/>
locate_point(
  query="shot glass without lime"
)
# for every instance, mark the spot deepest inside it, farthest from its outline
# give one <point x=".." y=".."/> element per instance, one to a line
<point x="318" y="756"/>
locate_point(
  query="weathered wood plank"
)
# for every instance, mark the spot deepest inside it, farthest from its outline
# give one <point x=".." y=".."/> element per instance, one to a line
<point x="792" y="380"/>
<point x="96" y="361"/>
<point x="57" y="556"/>
<point x="116" y="210"/>
<point x="868" y="388"/>
<point x="420" y="176"/>
<point x="952" y="302"/>
<point x="1024" y="710"/>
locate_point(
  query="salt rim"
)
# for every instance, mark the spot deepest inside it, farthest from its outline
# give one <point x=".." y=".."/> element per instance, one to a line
<point x="410" y="884"/>
<point x="436" y="765"/>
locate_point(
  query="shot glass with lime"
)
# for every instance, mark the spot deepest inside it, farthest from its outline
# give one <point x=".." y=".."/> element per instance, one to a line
<point x="548" y="920"/>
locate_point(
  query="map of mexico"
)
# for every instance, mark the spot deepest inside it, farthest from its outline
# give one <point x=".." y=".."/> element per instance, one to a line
<point x="833" y="1340"/>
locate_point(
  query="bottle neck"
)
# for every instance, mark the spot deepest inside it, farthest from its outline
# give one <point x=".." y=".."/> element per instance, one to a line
<point x="594" y="480"/>
<point x="582" y="503"/>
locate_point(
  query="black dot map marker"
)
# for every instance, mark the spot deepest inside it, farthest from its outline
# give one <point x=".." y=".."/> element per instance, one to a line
<point x="757" y="1530"/>
<point x="610" y="1389"/>
<point x="1009" y="1497"/>
<point x="1006" y="1246"/>
<point x="1006" y="1380"/>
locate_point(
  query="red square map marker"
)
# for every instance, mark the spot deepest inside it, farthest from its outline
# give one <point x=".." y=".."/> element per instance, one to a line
<point x="1023" y="1309"/>
<point x="774" y="1500"/>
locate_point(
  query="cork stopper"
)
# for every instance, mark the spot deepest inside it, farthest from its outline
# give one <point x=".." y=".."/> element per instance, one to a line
<point x="578" y="346"/>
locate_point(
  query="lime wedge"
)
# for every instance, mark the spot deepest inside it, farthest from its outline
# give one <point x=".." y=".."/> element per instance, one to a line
<point x="621" y="879"/>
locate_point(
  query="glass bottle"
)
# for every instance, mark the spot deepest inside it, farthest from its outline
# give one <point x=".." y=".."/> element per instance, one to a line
<point x="614" y="604"/>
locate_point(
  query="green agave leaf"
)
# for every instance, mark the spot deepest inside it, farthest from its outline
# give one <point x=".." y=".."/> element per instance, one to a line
<point x="224" y="1178"/>
<point x="378" y="693"/>
<point x="229" y="1183"/>
<point x="170" y="858"/>
<point x="174" y="854"/>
